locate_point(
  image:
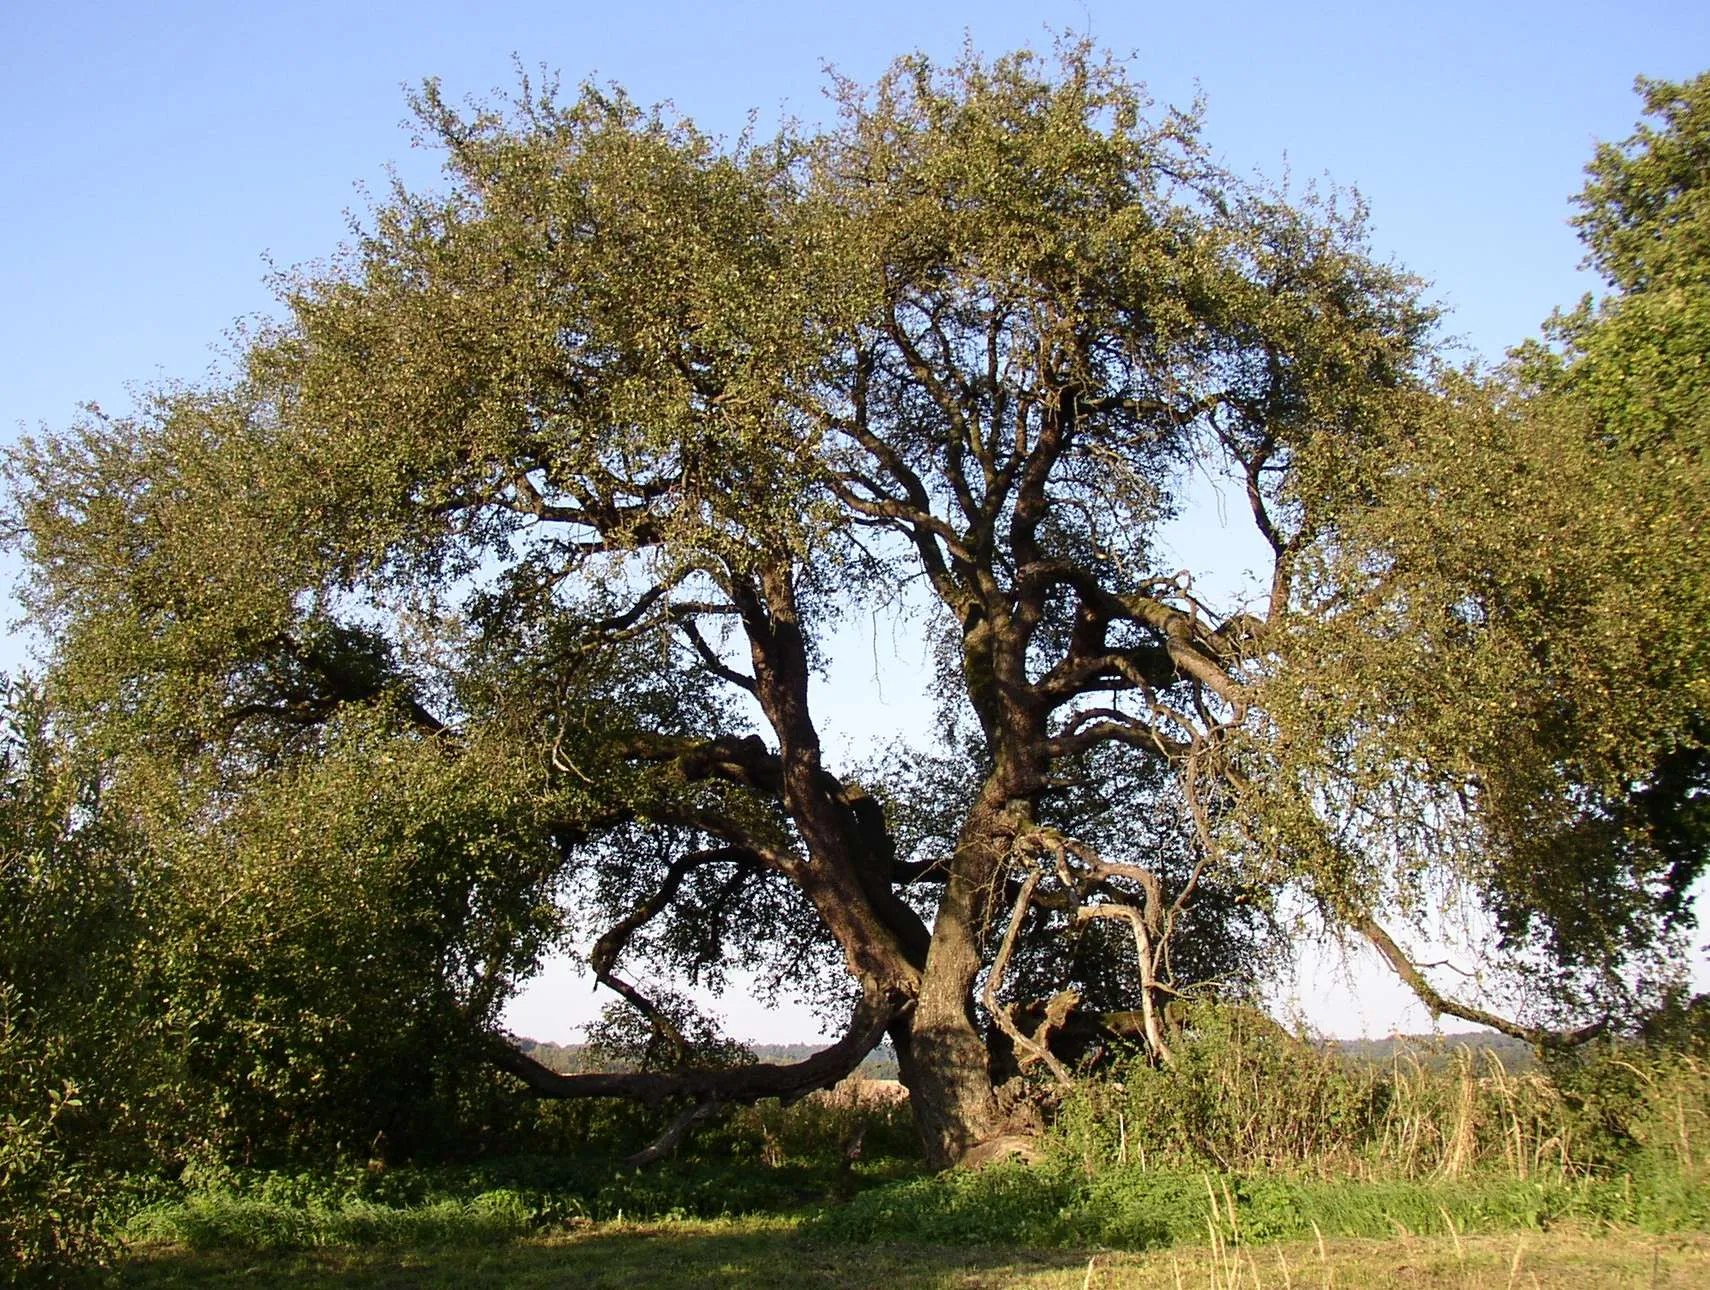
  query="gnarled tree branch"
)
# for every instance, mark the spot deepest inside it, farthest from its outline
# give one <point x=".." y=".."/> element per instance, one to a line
<point x="1441" y="1004"/>
<point x="743" y="1084"/>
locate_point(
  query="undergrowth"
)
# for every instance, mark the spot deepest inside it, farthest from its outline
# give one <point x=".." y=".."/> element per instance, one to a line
<point x="1247" y="1097"/>
<point x="1254" y="1136"/>
<point x="1141" y="1209"/>
<point x="1258" y="1135"/>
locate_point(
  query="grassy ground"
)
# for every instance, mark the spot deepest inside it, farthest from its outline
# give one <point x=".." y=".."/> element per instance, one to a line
<point x="1127" y="1196"/>
<point x="683" y="1254"/>
<point x="1006" y="1225"/>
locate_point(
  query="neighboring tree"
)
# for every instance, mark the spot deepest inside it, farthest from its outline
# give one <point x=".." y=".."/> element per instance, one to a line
<point x="1508" y="665"/>
<point x="1629" y="383"/>
<point x="505" y="566"/>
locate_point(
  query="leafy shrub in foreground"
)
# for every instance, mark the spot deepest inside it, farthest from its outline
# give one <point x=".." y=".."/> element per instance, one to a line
<point x="48" y="1221"/>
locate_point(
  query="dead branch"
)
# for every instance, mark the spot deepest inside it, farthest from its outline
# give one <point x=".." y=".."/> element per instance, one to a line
<point x="668" y="1141"/>
<point x="1146" y="921"/>
<point x="1004" y="1013"/>
<point x="1148" y="972"/>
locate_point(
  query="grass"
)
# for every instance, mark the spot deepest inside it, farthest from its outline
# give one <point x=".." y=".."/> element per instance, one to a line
<point x="1492" y="1196"/>
<point x="1007" y="1225"/>
<point x="1141" y="1210"/>
<point x="689" y="1253"/>
<point x="1260" y="1162"/>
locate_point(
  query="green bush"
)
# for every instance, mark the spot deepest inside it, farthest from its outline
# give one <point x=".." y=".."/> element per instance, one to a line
<point x="50" y="1219"/>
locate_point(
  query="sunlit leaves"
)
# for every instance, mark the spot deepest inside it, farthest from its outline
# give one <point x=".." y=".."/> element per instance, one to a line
<point x="1498" y="664"/>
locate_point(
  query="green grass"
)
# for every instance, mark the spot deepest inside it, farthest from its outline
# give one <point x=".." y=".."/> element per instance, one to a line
<point x="479" y="1204"/>
<point x="699" y="1255"/>
<point x="683" y="1252"/>
<point x="1006" y="1225"/>
<point x="1141" y="1210"/>
<point x="1598" y="1175"/>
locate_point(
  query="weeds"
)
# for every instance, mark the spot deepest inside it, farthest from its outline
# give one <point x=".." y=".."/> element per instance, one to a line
<point x="1256" y="1138"/>
<point x="1247" y="1097"/>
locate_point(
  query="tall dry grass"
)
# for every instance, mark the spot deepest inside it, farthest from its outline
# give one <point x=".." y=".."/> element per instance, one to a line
<point x="1248" y="1097"/>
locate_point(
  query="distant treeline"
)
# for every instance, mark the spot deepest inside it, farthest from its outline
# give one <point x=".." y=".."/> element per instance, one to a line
<point x="1439" y="1051"/>
<point x="1434" y="1052"/>
<point x="881" y="1063"/>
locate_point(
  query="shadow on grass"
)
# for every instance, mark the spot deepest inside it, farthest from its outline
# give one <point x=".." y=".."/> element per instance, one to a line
<point x="672" y="1257"/>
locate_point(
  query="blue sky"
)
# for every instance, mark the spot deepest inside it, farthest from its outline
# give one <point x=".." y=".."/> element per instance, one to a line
<point x="155" y="154"/>
<point x="155" y="158"/>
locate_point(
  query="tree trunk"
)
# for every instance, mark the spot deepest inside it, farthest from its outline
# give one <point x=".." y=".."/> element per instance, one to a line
<point x="950" y="1083"/>
<point x="947" y="1070"/>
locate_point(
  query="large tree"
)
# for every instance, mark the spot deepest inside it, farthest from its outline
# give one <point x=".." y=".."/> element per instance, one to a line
<point x="558" y="479"/>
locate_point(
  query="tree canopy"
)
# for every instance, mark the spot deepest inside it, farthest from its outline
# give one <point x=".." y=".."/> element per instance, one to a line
<point x="1513" y="665"/>
<point x="479" y="609"/>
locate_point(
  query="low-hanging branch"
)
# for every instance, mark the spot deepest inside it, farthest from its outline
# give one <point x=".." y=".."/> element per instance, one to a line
<point x="603" y="957"/>
<point x="1441" y="1004"/>
<point x="742" y="1084"/>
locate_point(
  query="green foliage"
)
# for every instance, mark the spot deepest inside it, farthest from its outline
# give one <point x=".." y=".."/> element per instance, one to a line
<point x="331" y="942"/>
<point x="764" y="1159"/>
<point x="476" y="1204"/>
<point x="68" y="1066"/>
<point x="822" y="1129"/>
<point x="294" y="976"/>
<point x="1646" y="212"/>
<point x="50" y="1220"/>
<point x="1497" y="679"/>
<point x="1261" y="1136"/>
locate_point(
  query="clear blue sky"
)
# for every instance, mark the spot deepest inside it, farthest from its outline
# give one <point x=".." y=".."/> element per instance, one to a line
<point x="154" y="153"/>
<point x="157" y="155"/>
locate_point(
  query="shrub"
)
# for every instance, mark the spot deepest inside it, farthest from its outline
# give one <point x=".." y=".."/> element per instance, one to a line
<point x="49" y="1222"/>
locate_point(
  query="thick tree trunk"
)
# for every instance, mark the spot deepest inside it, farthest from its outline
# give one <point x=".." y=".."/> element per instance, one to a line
<point x="948" y="1069"/>
<point x="950" y="1084"/>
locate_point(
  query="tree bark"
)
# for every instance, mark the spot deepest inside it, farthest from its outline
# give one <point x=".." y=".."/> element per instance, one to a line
<point x="953" y="1098"/>
<point x="950" y="1085"/>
